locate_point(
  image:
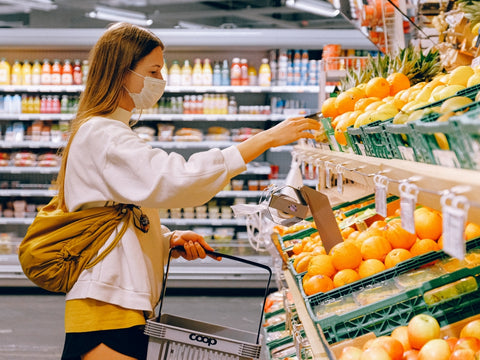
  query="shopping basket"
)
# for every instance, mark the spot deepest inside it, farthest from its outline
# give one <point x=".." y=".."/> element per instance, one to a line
<point x="172" y="337"/>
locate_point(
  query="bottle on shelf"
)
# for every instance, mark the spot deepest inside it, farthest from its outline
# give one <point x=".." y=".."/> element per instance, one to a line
<point x="67" y="73"/>
<point x="217" y="74"/>
<point x="282" y="68"/>
<point x="244" y="72"/>
<point x="36" y="73"/>
<point x="235" y="72"/>
<point x="56" y="78"/>
<point x="4" y="72"/>
<point x="197" y="73"/>
<point x="252" y="76"/>
<point x="85" y="68"/>
<point x="232" y="105"/>
<point x="26" y="73"/>
<point x="16" y="75"/>
<point x="77" y="72"/>
<point x="225" y="73"/>
<point x="46" y="75"/>
<point x="264" y="74"/>
<point x="175" y="74"/>
<point x="207" y="78"/>
<point x="186" y="79"/>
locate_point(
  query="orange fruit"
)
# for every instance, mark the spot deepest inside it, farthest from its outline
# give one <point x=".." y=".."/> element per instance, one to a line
<point x="379" y="224"/>
<point x="361" y="104"/>
<point x="343" y="124"/>
<point x="401" y="334"/>
<point x="369" y="233"/>
<point x="344" y="277"/>
<point x="347" y="231"/>
<point x="398" y="82"/>
<point x="428" y="223"/>
<point x="328" y="108"/>
<point x="321" y="265"/>
<point x="375" y="353"/>
<point x="472" y="231"/>
<point x="345" y="255"/>
<point x="423" y="246"/>
<point x="370" y="267"/>
<point x="297" y="248"/>
<point x="377" y="87"/>
<point x="392" y="346"/>
<point x="396" y="256"/>
<point x="359" y="91"/>
<point x="375" y="247"/>
<point x="302" y="264"/>
<point x="397" y="236"/>
<point x="317" y="283"/>
<point x="345" y="101"/>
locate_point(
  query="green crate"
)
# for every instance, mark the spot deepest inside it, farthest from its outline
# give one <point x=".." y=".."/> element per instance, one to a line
<point x="399" y="269"/>
<point x="381" y="146"/>
<point x="469" y="127"/>
<point x="357" y="138"/>
<point x="384" y="316"/>
<point x="400" y="138"/>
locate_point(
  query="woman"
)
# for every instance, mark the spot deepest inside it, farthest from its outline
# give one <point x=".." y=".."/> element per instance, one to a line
<point x="105" y="161"/>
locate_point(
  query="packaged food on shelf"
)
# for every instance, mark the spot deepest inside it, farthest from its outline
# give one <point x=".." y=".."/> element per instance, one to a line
<point x="217" y="133"/>
<point x="188" y="134"/>
<point x="165" y="132"/>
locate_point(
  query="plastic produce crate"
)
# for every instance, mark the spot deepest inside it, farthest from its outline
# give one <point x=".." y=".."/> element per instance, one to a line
<point x="377" y="137"/>
<point x="468" y="125"/>
<point x="400" y="139"/>
<point x="358" y="141"/>
<point x="384" y="316"/>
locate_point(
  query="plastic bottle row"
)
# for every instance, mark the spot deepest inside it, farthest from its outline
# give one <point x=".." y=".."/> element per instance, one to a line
<point x="38" y="104"/>
<point x="43" y="73"/>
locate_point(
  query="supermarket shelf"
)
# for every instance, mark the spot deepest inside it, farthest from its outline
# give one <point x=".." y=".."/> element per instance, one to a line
<point x="437" y="179"/>
<point x="213" y="117"/>
<point x="31" y="117"/>
<point x="29" y="144"/>
<point x="28" y="192"/>
<point x="203" y="222"/>
<point x="168" y="89"/>
<point x="28" y="170"/>
<point x="201" y="273"/>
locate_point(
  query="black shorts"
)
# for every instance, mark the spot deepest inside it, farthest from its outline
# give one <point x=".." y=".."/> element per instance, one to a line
<point x="130" y="341"/>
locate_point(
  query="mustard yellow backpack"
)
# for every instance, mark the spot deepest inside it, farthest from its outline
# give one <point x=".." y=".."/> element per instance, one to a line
<point x="59" y="244"/>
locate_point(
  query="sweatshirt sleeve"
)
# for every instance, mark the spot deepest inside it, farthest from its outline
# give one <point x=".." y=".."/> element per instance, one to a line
<point x="123" y="168"/>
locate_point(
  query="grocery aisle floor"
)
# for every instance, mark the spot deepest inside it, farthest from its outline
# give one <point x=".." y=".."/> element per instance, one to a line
<point x="31" y="322"/>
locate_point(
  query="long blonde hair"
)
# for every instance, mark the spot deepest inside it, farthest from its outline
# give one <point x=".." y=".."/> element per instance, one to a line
<point x="119" y="49"/>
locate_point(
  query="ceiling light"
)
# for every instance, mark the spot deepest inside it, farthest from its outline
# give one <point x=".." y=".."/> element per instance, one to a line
<point x="322" y="8"/>
<point x="113" y="14"/>
<point x="45" y="5"/>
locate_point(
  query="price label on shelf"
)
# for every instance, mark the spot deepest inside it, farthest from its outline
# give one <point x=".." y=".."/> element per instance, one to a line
<point x="328" y="178"/>
<point x="454" y="214"/>
<point x="408" y="201"/>
<point x="339" y="170"/>
<point x="381" y="183"/>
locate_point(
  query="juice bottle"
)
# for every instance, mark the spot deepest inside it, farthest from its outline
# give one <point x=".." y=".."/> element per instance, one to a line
<point x="217" y="74"/>
<point x="175" y="74"/>
<point x="67" y="73"/>
<point x="46" y="75"/>
<point x="16" y="75"/>
<point x="264" y="74"/>
<point x="4" y="72"/>
<point x="207" y="76"/>
<point x="77" y="72"/>
<point x="197" y="73"/>
<point x="186" y="77"/>
<point x="225" y="73"/>
<point x="36" y="73"/>
<point x="244" y="72"/>
<point x="56" y="78"/>
<point x="85" y="68"/>
<point x="252" y="76"/>
<point x="235" y="72"/>
<point x="26" y="73"/>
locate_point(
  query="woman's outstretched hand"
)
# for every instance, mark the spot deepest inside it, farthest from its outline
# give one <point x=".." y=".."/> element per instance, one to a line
<point x="193" y="244"/>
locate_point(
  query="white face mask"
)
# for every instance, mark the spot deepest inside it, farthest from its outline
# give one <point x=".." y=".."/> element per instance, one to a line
<point x="152" y="91"/>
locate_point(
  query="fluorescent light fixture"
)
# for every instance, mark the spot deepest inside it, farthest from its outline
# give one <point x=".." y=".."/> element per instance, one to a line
<point x="45" y="5"/>
<point x="322" y="8"/>
<point x="113" y="14"/>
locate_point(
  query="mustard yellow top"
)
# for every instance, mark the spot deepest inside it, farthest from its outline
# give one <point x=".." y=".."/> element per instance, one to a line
<point x="83" y="315"/>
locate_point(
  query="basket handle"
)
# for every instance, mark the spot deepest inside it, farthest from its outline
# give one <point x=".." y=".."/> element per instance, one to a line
<point x="217" y="254"/>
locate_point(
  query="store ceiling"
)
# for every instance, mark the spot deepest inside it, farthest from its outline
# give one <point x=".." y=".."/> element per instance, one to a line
<point x="168" y="14"/>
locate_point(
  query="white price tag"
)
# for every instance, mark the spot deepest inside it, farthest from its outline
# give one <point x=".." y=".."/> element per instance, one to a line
<point x="302" y="168"/>
<point x="454" y="213"/>
<point x="361" y="147"/>
<point x="446" y="158"/>
<point x="408" y="202"/>
<point x="334" y="143"/>
<point x="381" y="183"/>
<point x="407" y="153"/>
<point x="328" y="179"/>
<point x="339" y="170"/>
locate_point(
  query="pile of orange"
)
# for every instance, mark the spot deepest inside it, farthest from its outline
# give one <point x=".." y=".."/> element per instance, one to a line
<point x="384" y="244"/>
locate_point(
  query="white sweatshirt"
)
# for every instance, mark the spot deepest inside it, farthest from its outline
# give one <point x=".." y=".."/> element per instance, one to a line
<point x="109" y="162"/>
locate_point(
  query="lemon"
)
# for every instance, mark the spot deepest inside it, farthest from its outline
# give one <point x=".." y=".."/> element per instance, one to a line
<point x="460" y="75"/>
<point x="389" y="108"/>
<point x="449" y="90"/>
<point x="374" y="105"/>
<point x="424" y="94"/>
<point x="442" y="141"/>
<point x="400" y="118"/>
<point x="474" y="79"/>
<point x="417" y="114"/>
<point x="454" y="103"/>
<point x="436" y="91"/>
<point x="475" y="28"/>
<point x="381" y="115"/>
<point x="362" y="119"/>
